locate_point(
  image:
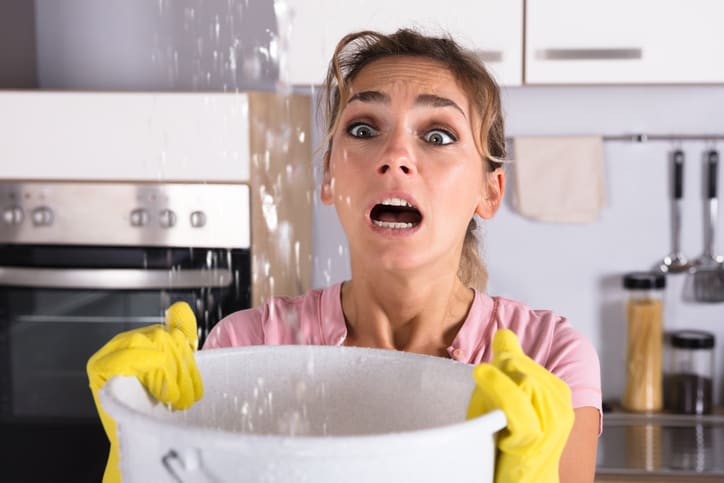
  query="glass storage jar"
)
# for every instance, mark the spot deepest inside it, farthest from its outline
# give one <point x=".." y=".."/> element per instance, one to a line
<point x="644" y="317"/>
<point x="689" y="380"/>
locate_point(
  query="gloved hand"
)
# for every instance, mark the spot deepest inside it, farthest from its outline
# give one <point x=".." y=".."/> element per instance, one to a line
<point x="161" y="357"/>
<point x="536" y="404"/>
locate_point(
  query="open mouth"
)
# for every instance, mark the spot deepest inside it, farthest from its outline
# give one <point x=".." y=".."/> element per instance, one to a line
<point x="395" y="213"/>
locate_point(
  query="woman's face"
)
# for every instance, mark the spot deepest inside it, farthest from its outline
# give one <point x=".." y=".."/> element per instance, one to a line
<point x="404" y="171"/>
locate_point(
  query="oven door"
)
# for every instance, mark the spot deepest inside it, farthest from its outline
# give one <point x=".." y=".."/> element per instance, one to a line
<point x="52" y="319"/>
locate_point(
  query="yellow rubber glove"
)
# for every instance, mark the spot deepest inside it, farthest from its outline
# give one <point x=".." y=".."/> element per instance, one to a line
<point x="161" y="356"/>
<point x="537" y="406"/>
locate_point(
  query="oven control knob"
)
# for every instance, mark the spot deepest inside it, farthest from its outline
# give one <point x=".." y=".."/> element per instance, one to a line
<point x="42" y="216"/>
<point x="13" y="215"/>
<point x="168" y="218"/>
<point x="198" y="219"/>
<point x="139" y="217"/>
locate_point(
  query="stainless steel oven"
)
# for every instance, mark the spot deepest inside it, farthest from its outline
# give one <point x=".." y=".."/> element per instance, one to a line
<point x="80" y="262"/>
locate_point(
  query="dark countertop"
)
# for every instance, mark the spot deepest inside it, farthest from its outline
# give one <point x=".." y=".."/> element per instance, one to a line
<point x="661" y="447"/>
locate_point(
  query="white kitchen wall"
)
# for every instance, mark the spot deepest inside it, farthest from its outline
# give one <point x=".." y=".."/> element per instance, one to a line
<point x="573" y="269"/>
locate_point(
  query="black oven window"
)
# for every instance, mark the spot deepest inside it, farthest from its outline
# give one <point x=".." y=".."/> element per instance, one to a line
<point x="52" y="333"/>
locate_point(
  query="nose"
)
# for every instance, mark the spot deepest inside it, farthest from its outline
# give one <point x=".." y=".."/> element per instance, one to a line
<point x="398" y="155"/>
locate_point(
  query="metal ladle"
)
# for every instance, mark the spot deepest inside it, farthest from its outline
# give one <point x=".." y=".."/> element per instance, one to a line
<point x="676" y="262"/>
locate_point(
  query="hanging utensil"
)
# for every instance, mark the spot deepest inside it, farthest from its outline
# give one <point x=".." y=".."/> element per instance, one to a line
<point x="709" y="272"/>
<point x="676" y="262"/>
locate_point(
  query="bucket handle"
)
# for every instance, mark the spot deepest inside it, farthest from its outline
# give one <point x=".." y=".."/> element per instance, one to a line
<point x="187" y="468"/>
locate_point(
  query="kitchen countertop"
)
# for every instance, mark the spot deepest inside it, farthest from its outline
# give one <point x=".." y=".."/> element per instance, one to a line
<point x="662" y="478"/>
<point x="661" y="447"/>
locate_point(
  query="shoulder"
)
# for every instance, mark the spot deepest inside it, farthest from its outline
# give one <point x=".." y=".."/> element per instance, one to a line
<point x="539" y="331"/>
<point x="280" y="320"/>
<point x="552" y="341"/>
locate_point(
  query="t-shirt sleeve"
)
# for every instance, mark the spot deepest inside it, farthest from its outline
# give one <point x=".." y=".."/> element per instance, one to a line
<point x="574" y="359"/>
<point x="554" y="343"/>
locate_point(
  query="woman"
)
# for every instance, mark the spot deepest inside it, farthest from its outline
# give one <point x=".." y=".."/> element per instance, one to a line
<point x="414" y="148"/>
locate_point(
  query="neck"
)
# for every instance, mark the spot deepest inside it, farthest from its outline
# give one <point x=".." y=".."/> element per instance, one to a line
<point x="413" y="314"/>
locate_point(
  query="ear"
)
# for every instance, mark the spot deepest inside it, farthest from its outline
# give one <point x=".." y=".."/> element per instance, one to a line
<point x="325" y="193"/>
<point x="493" y="195"/>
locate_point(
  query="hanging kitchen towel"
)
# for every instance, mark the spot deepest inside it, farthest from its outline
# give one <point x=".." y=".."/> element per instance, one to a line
<point x="559" y="179"/>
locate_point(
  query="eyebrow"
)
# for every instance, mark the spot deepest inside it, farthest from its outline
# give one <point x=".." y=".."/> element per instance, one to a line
<point x="437" y="101"/>
<point x="370" y="96"/>
<point x="423" y="99"/>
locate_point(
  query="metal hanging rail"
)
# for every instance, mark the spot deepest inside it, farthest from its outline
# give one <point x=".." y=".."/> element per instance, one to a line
<point x="642" y="138"/>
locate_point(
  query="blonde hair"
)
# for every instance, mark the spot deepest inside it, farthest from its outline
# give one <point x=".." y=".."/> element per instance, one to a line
<point x="356" y="50"/>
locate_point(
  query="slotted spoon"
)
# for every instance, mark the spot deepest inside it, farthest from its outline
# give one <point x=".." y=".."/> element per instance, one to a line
<point x="708" y="272"/>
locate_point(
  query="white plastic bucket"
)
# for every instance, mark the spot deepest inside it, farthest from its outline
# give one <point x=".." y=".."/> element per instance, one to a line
<point x="309" y="414"/>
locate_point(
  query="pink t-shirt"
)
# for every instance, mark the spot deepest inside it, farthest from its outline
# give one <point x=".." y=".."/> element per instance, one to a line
<point x="316" y="318"/>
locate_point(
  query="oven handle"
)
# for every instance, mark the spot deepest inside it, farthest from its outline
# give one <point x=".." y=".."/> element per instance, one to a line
<point x="114" y="278"/>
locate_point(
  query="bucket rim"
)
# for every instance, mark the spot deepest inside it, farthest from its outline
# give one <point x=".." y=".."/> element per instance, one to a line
<point x="490" y="422"/>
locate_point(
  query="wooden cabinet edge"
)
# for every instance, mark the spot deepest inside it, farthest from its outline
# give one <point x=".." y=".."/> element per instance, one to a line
<point x="281" y="194"/>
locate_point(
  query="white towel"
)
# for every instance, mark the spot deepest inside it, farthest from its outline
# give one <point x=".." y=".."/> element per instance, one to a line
<point x="559" y="179"/>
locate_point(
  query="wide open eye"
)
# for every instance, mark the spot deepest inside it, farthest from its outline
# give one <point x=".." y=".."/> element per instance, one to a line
<point x="362" y="130"/>
<point x="440" y="137"/>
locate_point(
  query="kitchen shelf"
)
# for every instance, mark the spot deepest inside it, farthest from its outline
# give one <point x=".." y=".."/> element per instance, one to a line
<point x="661" y="446"/>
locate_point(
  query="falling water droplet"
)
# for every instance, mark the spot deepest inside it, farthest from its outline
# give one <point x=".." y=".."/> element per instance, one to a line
<point x="269" y="209"/>
<point x="200" y="47"/>
<point x="232" y="61"/>
<point x="297" y="260"/>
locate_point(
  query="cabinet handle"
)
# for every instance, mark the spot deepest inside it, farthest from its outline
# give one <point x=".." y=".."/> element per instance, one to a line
<point x="589" y="54"/>
<point x="489" y="55"/>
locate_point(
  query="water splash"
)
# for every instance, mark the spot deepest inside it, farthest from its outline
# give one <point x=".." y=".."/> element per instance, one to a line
<point x="285" y="22"/>
<point x="206" y="44"/>
<point x="217" y="46"/>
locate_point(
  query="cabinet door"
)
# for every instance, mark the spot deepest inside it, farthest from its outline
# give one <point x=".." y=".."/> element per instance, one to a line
<point x="623" y="41"/>
<point x="312" y="28"/>
<point x="85" y="135"/>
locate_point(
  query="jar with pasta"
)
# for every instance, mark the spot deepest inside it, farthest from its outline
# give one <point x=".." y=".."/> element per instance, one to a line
<point x="644" y="343"/>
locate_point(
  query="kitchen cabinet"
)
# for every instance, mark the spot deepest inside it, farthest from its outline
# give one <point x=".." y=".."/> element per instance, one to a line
<point x="623" y="42"/>
<point x="312" y="28"/>
<point x="76" y="135"/>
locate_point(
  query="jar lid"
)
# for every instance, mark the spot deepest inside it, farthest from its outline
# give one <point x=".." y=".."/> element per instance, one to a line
<point x="692" y="339"/>
<point x="644" y="280"/>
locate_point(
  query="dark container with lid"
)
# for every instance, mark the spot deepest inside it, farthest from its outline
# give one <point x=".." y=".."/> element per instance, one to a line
<point x="689" y="382"/>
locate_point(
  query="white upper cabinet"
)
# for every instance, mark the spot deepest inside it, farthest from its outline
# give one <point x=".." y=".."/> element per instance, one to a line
<point x="124" y="136"/>
<point x="312" y="28"/>
<point x="624" y="41"/>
